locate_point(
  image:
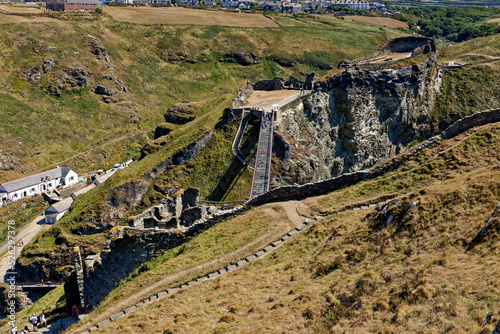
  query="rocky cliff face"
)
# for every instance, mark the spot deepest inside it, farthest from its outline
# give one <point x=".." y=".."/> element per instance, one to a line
<point x="357" y="119"/>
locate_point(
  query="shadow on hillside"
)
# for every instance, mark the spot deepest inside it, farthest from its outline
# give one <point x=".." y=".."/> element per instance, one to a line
<point x="236" y="168"/>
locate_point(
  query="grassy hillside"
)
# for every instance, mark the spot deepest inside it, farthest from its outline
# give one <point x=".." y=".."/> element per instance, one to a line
<point x="470" y="88"/>
<point x="423" y="271"/>
<point x="161" y="65"/>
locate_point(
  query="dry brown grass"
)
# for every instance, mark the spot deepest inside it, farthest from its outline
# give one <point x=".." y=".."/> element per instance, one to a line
<point x="413" y="275"/>
<point x="20" y="8"/>
<point x="379" y="21"/>
<point x="177" y="15"/>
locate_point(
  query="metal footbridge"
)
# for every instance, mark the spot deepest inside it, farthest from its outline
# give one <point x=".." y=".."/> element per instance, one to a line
<point x="266" y="108"/>
<point x="262" y="169"/>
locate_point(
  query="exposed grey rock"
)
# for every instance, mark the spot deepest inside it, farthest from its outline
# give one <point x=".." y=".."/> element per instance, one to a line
<point x="98" y="49"/>
<point x="241" y="97"/>
<point x="123" y="198"/>
<point x="9" y="162"/>
<point x="101" y="90"/>
<point x="243" y="58"/>
<point x="34" y="77"/>
<point x="356" y="120"/>
<point x="284" y="62"/>
<point x="177" y="119"/>
<point x="48" y="65"/>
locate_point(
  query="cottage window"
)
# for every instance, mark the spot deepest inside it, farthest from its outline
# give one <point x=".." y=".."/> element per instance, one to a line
<point x="50" y="184"/>
<point x="72" y="178"/>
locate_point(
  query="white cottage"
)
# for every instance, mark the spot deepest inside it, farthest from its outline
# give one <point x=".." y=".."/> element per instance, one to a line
<point x="36" y="184"/>
<point x="57" y="210"/>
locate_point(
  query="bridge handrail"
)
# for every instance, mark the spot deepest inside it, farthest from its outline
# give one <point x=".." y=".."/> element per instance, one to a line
<point x="37" y="284"/>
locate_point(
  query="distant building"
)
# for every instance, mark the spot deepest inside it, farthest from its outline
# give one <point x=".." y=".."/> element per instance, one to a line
<point x="36" y="184"/>
<point x="73" y="5"/>
<point x="361" y="5"/>
<point x="161" y="2"/>
<point x="229" y="3"/>
<point x="189" y="2"/>
<point x="291" y="8"/>
<point x="269" y="6"/>
<point x="210" y="3"/>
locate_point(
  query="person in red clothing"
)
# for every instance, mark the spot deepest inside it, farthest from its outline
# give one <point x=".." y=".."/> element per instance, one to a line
<point x="74" y="312"/>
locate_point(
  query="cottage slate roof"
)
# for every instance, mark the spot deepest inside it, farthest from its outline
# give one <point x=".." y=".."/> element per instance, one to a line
<point x="60" y="206"/>
<point x="33" y="180"/>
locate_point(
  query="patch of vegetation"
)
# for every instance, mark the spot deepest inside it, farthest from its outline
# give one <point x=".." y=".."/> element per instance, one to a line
<point x="465" y="91"/>
<point x="22" y="212"/>
<point x="455" y="24"/>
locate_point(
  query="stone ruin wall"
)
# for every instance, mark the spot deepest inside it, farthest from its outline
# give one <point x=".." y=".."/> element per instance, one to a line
<point x="129" y="248"/>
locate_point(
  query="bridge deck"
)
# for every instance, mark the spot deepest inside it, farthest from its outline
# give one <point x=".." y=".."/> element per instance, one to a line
<point x="262" y="170"/>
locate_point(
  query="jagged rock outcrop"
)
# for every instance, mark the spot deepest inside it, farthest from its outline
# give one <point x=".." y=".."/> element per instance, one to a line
<point x="357" y="119"/>
<point x="243" y="58"/>
<point x="99" y="50"/>
<point x="162" y="129"/>
<point x="48" y="65"/>
<point x="274" y="84"/>
<point x="8" y="161"/>
<point x="70" y="81"/>
<point x="122" y="199"/>
<point x="19" y="300"/>
<point x="285" y="62"/>
<point x="33" y="76"/>
<point x="180" y="113"/>
<point x="101" y="90"/>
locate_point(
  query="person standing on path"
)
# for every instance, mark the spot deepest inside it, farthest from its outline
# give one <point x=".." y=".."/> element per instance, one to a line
<point x="43" y="322"/>
<point x="34" y="321"/>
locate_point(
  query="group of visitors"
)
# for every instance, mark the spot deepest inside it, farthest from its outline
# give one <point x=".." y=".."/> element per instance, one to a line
<point x="266" y="117"/>
<point x="34" y="322"/>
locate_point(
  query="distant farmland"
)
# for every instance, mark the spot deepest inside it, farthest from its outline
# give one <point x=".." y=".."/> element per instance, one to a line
<point x="380" y="21"/>
<point x="175" y="15"/>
